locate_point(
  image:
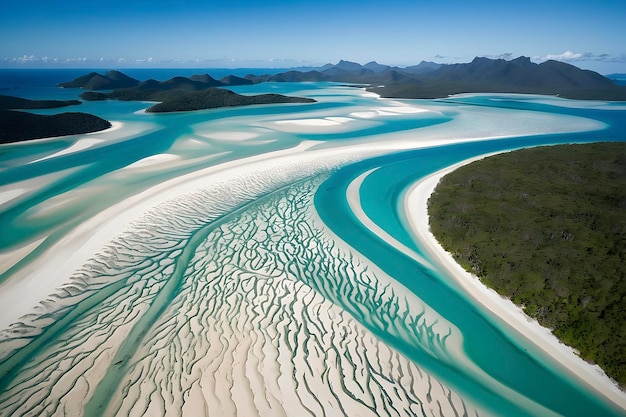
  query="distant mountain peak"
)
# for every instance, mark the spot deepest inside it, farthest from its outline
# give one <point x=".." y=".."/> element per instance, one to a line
<point x="376" y="67"/>
<point x="94" y="81"/>
<point x="346" y="62"/>
<point x="234" y="80"/>
<point x="205" y="78"/>
<point x="117" y="75"/>
<point x="425" y="80"/>
<point x="348" y="65"/>
<point x="522" y="59"/>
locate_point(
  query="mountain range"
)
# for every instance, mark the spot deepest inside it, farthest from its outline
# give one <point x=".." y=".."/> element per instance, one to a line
<point x="116" y="80"/>
<point x="482" y="75"/>
<point x="424" y="80"/>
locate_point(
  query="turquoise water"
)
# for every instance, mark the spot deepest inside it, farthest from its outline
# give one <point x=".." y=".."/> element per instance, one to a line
<point x="211" y="261"/>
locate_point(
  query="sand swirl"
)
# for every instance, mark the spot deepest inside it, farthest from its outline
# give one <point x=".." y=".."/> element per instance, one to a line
<point x="229" y="295"/>
<point x="259" y="339"/>
<point x="210" y="306"/>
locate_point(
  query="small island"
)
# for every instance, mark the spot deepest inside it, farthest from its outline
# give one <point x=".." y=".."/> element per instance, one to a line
<point x="17" y="126"/>
<point x="546" y="227"/>
<point x="189" y="94"/>
<point x="10" y="102"/>
<point x="213" y="98"/>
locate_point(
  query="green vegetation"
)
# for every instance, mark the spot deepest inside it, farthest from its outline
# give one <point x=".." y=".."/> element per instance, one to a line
<point x="10" y="102"/>
<point x="546" y="227"/>
<point x="217" y="97"/>
<point x="16" y="126"/>
<point x="185" y="94"/>
<point x="93" y="96"/>
<point x="426" y="80"/>
<point x="107" y="81"/>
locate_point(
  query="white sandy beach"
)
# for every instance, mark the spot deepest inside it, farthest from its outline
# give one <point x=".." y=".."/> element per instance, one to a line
<point x="74" y="249"/>
<point x="91" y="236"/>
<point x="416" y="200"/>
<point x="52" y="270"/>
<point x="35" y="282"/>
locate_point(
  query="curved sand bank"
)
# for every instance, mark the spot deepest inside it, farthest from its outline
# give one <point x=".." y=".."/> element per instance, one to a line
<point x="415" y="203"/>
<point x="232" y="361"/>
<point x="34" y="284"/>
<point x="237" y="359"/>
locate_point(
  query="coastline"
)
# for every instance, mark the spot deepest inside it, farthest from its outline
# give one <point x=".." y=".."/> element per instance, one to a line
<point x="35" y="283"/>
<point x="415" y="205"/>
<point x="275" y="167"/>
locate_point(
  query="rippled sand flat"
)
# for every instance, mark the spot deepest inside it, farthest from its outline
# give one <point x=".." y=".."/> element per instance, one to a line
<point x="179" y="266"/>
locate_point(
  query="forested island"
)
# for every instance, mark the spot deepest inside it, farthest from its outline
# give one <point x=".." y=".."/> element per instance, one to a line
<point x="187" y="94"/>
<point x="16" y="126"/>
<point x="10" y="102"/>
<point x="546" y="227"/>
<point x="217" y="97"/>
<point x="425" y="80"/>
<point x="107" y="81"/>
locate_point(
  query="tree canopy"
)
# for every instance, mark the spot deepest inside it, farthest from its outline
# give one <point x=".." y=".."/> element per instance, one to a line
<point x="546" y="227"/>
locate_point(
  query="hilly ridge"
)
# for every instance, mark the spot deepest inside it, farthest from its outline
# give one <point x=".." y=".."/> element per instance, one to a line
<point x="517" y="76"/>
<point x="94" y="81"/>
<point x="426" y="80"/>
<point x="484" y="75"/>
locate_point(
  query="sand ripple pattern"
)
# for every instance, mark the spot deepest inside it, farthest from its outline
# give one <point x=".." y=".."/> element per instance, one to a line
<point x="214" y="307"/>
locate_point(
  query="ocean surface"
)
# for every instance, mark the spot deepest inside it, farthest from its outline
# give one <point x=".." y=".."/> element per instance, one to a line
<point x="259" y="260"/>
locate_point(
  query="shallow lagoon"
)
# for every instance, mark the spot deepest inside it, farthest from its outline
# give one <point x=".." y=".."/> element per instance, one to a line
<point x="218" y="260"/>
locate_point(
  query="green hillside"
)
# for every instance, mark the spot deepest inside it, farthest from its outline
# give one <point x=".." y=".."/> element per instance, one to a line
<point x="546" y="227"/>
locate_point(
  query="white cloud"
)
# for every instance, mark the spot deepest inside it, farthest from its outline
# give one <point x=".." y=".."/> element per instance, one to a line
<point x="507" y="56"/>
<point x="144" y="60"/>
<point x="565" y="56"/>
<point x="26" y="58"/>
<point x="569" y="56"/>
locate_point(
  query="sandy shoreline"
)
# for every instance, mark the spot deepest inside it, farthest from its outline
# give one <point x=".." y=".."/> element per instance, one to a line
<point x="51" y="271"/>
<point x="35" y="283"/>
<point x="415" y="204"/>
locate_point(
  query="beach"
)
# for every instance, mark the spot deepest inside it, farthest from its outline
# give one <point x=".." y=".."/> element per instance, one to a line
<point x="415" y="202"/>
<point x="222" y="288"/>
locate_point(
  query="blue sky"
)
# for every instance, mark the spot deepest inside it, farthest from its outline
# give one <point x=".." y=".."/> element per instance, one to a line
<point x="279" y="33"/>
